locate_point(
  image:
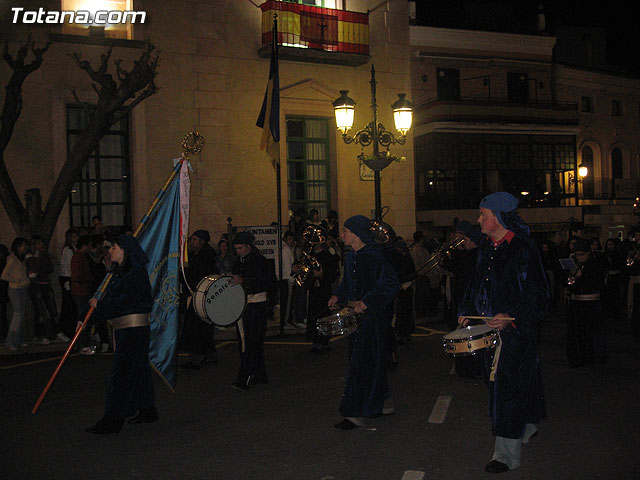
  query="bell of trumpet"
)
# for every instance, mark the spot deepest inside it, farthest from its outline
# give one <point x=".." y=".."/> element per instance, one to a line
<point x="313" y="235"/>
<point x="382" y="232"/>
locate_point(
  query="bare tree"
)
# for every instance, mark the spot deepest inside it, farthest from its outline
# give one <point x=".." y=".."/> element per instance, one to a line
<point x="116" y="98"/>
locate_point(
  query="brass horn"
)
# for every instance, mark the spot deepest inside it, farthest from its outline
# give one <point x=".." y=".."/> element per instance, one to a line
<point x="312" y="235"/>
<point x="382" y="232"/>
<point x="438" y="257"/>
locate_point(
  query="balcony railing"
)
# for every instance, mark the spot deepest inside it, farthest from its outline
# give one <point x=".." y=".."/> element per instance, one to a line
<point x="322" y="35"/>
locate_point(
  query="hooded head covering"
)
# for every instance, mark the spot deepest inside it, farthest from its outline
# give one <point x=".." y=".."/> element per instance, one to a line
<point x="499" y="203"/>
<point x="359" y="225"/>
<point x="245" y="238"/>
<point x="202" y="235"/>
<point x="504" y="205"/>
<point x="132" y="250"/>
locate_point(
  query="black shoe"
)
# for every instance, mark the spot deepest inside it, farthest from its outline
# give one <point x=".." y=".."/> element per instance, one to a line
<point x="495" y="466"/>
<point x="106" y="426"/>
<point x="145" y="415"/>
<point x="258" y="380"/>
<point x="240" y="386"/>
<point x="190" y="366"/>
<point x="345" y="424"/>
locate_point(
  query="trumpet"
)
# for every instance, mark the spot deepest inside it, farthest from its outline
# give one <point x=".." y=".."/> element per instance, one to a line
<point x="631" y="256"/>
<point x="571" y="279"/>
<point x="312" y="235"/>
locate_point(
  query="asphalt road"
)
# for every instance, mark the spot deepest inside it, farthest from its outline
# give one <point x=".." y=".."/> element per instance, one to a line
<point x="284" y="430"/>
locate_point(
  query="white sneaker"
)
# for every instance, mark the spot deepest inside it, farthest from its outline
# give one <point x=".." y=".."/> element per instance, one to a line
<point x="299" y="325"/>
<point x="62" y="337"/>
<point x="44" y="341"/>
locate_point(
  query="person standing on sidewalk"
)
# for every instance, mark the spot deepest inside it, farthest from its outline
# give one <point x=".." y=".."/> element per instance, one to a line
<point x="371" y="283"/>
<point x="45" y="311"/>
<point x="509" y="287"/>
<point x="15" y="272"/>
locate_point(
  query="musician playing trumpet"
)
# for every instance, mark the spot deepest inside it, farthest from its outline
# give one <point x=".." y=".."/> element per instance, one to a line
<point x="585" y="337"/>
<point x="509" y="281"/>
<point x="371" y="284"/>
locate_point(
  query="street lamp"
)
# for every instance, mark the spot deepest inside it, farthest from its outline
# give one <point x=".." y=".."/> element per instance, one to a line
<point x="374" y="133"/>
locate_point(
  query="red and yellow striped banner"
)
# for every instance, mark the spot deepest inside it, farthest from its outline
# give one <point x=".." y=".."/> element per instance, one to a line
<point x="314" y="27"/>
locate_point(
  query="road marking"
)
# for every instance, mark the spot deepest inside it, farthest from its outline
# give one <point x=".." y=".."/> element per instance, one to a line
<point x="439" y="411"/>
<point x="413" y="475"/>
<point x="453" y="369"/>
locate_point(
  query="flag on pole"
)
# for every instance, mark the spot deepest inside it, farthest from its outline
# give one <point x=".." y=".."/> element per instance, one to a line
<point x="269" y="118"/>
<point x="161" y="239"/>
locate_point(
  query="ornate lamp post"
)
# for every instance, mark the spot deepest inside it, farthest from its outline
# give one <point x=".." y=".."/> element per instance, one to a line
<point x="374" y="133"/>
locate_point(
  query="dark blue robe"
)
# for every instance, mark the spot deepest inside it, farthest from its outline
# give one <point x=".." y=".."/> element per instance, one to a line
<point x="367" y="277"/>
<point x="510" y="279"/>
<point x="130" y="383"/>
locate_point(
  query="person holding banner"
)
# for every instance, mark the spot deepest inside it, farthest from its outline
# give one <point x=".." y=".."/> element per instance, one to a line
<point x="126" y="303"/>
<point x="252" y="271"/>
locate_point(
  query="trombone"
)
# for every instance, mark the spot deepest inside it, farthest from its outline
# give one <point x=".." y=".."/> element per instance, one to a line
<point x="439" y="256"/>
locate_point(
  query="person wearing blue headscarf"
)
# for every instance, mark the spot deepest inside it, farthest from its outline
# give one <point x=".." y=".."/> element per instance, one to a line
<point x="509" y="283"/>
<point x="369" y="284"/>
<point x="127" y="303"/>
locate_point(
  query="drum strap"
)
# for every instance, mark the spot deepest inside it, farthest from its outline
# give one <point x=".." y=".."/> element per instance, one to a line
<point x="496" y="358"/>
<point x="633" y="280"/>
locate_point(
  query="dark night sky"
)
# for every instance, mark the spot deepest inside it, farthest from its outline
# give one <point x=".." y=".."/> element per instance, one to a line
<point x="617" y="17"/>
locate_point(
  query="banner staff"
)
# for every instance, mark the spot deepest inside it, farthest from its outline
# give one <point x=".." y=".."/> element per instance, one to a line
<point x="186" y="150"/>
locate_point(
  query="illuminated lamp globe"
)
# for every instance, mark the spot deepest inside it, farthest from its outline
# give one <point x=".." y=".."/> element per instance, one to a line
<point x="583" y="171"/>
<point x="344" y="108"/>
<point x="402" y="114"/>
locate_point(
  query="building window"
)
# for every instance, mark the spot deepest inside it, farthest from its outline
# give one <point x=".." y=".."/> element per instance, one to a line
<point x="586" y="104"/>
<point x="448" y="80"/>
<point x="122" y="23"/>
<point x="308" y="164"/>
<point x="616" y="108"/>
<point x="103" y="187"/>
<point x="588" y="181"/>
<point x="517" y="87"/>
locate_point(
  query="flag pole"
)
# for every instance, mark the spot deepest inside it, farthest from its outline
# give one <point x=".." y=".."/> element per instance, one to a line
<point x="278" y="188"/>
<point x="107" y="279"/>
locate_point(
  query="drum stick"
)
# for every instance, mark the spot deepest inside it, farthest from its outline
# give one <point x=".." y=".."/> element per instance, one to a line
<point x="479" y="317"/>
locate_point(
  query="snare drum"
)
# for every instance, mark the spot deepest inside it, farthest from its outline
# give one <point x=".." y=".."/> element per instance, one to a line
<point x="218" y="300"/>
<point x="470" y="340"/>
<point x="343" y="322"/>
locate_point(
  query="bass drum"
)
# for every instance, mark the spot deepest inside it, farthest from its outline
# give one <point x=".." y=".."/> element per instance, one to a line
<point x="219" y="301"/>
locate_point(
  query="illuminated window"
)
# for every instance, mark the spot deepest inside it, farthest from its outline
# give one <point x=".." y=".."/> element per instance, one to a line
<point x="120" y="28"/>
<point x="308" y="164"/>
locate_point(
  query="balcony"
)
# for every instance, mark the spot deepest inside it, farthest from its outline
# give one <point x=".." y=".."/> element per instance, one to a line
<point x="314" y="34"/>
<point x="496" y="115"/>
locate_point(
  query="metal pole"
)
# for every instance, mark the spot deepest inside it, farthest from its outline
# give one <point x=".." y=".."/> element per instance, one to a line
<point x="376" y="151"/>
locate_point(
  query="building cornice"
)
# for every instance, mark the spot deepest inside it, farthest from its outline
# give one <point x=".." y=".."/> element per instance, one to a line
<point x="475" y="40"/>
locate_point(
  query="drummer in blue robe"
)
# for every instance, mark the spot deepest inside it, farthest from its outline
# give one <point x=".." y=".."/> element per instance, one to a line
<point x="509" y="282"/>
<point x="369" y="284"/>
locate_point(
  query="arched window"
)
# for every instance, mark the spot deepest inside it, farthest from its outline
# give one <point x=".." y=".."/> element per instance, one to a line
<point x="588" y="182"/>
<point x="616" y="168"/>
